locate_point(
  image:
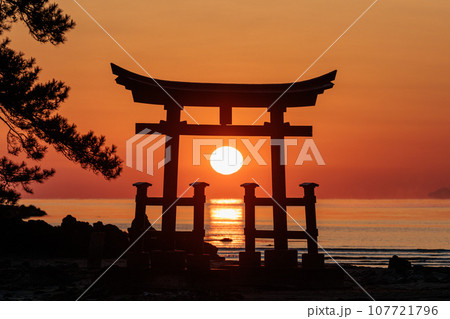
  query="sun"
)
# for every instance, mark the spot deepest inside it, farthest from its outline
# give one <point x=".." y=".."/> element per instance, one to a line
<point x="226" y="160"/>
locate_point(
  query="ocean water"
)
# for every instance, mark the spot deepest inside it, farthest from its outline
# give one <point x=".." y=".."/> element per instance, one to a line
<point x="358" y="232"/>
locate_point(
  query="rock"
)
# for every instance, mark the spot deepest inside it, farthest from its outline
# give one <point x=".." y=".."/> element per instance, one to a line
<point x="211" y="250"/>
<point x="36" y="238"/>
<point x="399" y="264"/>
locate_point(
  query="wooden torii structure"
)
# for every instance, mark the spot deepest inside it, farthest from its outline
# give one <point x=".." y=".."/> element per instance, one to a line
<point x="176" y="95"/>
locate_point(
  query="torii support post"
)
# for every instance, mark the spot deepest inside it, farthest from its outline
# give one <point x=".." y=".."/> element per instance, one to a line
<point x="140" y="222"/>
<point x="280" y="256"/>
<point x="198" y="260"/>
<point x="138" y="257"/>
<point x="250" y="258"/>
<point x="278" y="179"/>
<point x="199" y="215"/>
<point x="312" y="259"/>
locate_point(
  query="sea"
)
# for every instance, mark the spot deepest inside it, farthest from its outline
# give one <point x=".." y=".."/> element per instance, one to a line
<point x="357" y="232"/>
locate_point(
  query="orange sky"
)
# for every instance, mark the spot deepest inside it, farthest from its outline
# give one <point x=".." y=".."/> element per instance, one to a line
<point x="383" y="130"/>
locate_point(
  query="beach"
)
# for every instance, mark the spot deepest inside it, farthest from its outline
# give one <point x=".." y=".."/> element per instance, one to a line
<point x="67" y="279"/>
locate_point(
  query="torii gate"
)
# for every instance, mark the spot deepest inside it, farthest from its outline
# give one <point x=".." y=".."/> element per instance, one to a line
<point x="175" y="95"/>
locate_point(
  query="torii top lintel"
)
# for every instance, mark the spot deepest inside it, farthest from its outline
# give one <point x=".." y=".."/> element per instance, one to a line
<point x="148" y="90"/>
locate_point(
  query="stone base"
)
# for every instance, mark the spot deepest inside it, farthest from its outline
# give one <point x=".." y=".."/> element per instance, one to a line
<point x="168" y="260"/>
<point x="286" y="258"/>
<point x="313" y="260"/>
<point x="250" y="260"/>
<point x="137" y="260"/>
<point x="197" y="262"/>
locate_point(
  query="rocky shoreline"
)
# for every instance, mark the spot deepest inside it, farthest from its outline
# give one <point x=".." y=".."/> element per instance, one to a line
<point x="67" y="278"/>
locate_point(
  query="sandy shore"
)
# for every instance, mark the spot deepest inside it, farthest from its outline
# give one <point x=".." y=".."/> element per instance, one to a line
<point x="66" y="279"/>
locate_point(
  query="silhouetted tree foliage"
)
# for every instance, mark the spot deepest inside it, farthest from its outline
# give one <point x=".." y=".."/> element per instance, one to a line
<point x="29" y="108"/>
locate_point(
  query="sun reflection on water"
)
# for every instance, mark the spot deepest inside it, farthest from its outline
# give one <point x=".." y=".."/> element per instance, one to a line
<point x="225" y="223"/>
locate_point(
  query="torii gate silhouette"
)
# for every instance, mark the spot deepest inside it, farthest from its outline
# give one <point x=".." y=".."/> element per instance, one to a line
<point x="175" y="95"/>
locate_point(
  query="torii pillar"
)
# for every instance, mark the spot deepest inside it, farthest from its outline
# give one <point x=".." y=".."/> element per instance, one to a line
<point x="278" y="179"/>
<point x="170" y="184"/>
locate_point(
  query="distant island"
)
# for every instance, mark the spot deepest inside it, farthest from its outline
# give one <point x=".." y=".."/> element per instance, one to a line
<point x="441" y="193"/>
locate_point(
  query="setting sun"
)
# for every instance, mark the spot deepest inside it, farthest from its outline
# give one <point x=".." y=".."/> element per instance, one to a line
<point x="226" y="160"/>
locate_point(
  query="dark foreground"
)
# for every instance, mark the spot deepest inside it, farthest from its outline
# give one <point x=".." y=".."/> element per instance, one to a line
<point x="67" y="279"/>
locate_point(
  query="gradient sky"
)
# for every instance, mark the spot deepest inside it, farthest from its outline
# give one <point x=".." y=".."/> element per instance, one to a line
<point x="383" y="130"/>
